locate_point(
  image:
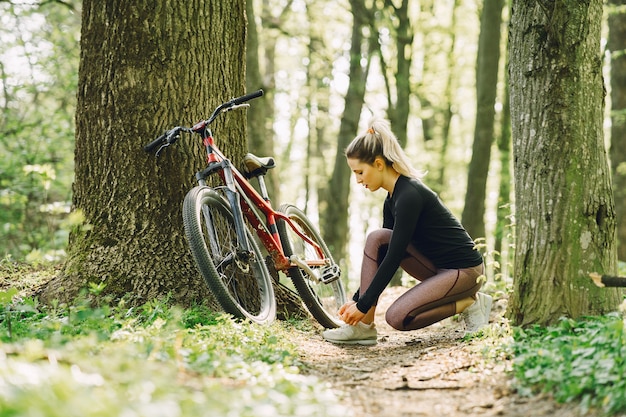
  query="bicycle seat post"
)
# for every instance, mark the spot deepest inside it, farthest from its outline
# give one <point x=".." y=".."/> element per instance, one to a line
<point x="258" y="167"/>
<point x="263" y="188"/>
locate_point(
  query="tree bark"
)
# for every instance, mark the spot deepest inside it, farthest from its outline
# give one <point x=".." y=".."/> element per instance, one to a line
<point x="617" y="46"/>
<point x="146" y="66"/>
<point x="487" y="66"/>
<point x="565" y="216"/>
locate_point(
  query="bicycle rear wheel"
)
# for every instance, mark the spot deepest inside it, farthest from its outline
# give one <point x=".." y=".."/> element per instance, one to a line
<point x="321" y="299"/>
<point x="239" y="281"/>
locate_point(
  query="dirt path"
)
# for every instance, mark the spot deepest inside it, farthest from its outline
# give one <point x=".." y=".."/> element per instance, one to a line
<point x="430" y="372"/>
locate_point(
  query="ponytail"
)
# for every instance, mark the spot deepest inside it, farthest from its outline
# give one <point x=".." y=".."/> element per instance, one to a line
<point x="379" y="141"/>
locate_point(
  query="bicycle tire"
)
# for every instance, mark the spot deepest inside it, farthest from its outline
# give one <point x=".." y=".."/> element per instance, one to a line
<point x="321" y="300"/>
<point x="242" y="287"/>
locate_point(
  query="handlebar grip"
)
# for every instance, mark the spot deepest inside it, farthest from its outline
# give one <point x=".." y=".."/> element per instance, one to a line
<point x="155" y="143"/>
<point x="247" y="97"/>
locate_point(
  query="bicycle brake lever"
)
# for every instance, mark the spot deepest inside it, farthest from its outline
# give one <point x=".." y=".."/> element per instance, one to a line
<point x="165" y="145"/>
<point x="236" y="106"/>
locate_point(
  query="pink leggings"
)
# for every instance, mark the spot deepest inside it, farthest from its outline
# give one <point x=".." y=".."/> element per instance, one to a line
<point x="433" y="299"/>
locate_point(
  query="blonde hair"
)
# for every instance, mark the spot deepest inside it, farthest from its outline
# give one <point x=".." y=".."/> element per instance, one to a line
<point x="379" y="141"/>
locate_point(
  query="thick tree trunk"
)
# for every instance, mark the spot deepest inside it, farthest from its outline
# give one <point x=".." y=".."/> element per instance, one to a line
<point x="146" y="66"/>
<point x="565" y="218"/>
<point x="617" y="46"/>
<point x="487" y="65"/>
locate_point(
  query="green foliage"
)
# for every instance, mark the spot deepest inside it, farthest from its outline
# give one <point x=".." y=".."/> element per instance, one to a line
<point x="96" y="360"/>
<point x="38" y="78"/>
<point x="10" y="306"/>
<point x="576" y="360"/>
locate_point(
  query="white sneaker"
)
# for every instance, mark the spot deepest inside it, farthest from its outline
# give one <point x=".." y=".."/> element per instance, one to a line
<point x="361" y="334"/>
<point x="476" y="316"/>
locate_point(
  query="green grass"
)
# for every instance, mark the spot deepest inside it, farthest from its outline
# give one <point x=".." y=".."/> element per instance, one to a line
<point x="575" y="361"/>
<point x="93" y="359"/>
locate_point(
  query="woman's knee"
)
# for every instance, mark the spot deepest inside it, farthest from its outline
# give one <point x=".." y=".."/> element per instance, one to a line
<point x="375" y="240"/>
<point x="394" y="319"/>
<point x="378" y="236"/>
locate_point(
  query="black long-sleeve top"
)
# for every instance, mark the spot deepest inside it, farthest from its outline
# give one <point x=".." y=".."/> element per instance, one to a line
<point x="417" y="216"/>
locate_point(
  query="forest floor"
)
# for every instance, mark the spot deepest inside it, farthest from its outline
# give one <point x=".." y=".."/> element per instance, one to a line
<point x="429" y="372"/>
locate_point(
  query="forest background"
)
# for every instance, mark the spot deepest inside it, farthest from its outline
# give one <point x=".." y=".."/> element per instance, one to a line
<point x="418" y="62"/>
<point x="305" y="50"/>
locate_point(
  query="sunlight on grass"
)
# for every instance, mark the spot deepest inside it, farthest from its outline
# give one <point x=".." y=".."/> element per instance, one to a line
<point x="108" y="361"/>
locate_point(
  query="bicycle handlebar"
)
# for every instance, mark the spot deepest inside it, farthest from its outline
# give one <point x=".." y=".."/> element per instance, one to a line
<point x="172" y="135"/>
<point x="155" y="143"/>
<point x="246" y="97"/>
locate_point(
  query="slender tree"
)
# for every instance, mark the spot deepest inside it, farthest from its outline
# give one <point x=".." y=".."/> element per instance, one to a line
<point x="146" y="66"/>
<point x="397" y="69"/>
<point x="259" y="73"/>
<point x="487" y="66"/>
<point x="398" y="104"/>
<point x="565" y="217"/>
<point x="617" y="46"/>
<point x="503" y="209"/>
<point x="447" y="100"/>
<point x="335" y="212"/>
<point x="426" y="22"/>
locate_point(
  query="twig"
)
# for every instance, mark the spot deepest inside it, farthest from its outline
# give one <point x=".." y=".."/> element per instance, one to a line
<point x="607" y="280"/>
<point x="407" y="387"/>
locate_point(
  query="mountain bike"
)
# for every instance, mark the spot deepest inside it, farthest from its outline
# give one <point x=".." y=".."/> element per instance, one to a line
<point x="226" y="226"/>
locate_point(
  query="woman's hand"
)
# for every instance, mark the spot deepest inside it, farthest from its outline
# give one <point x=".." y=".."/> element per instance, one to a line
<point x="350" y="314"/>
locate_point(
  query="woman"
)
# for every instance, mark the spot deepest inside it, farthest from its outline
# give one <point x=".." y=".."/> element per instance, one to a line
<point x="418" y="234"/>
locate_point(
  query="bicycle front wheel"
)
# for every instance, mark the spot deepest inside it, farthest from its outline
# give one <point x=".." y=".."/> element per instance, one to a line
<point x="239" y="280"/>
<point x="321" y="299"/>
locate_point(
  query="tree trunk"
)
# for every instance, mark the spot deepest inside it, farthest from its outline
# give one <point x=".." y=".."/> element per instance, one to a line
<point x="447" y="100"/>
<point x="335" y="212"/>
<point x="487" y="66"/>
<point x="399" y="109"/>
<point x="503" y="240"/>
<point x="565" y="218"/>
<point x="445" y="112"/>
<point x="260" y="115"/>
<point x="146" y="66"/>
<point x="398" y="105"/>
<point x="503" y="210"/>
<point x="617" y="46"/>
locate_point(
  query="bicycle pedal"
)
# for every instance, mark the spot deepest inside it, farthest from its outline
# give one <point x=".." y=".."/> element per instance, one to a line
<point x="330" y="273"/>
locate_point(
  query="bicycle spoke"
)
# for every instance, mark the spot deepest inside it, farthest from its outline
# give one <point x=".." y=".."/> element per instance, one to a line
<point x="239" y="284"/>
<point x="215" y="229"/>
<point x="225" y="262"/>
<point x="321" y="299"/>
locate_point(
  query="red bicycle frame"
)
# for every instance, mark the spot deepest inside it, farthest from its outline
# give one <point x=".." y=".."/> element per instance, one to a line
<point x="267" y="231"/>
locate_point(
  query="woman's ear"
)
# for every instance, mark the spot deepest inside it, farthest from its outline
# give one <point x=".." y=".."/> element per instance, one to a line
<point x="379" y="163"/>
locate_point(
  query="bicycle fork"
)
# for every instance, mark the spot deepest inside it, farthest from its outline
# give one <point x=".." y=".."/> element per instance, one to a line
<point x="233" y="200"/>
<point x="243" y="250"/>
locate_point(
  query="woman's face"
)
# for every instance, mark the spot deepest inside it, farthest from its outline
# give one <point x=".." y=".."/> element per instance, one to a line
<point x="370" y="176"/>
